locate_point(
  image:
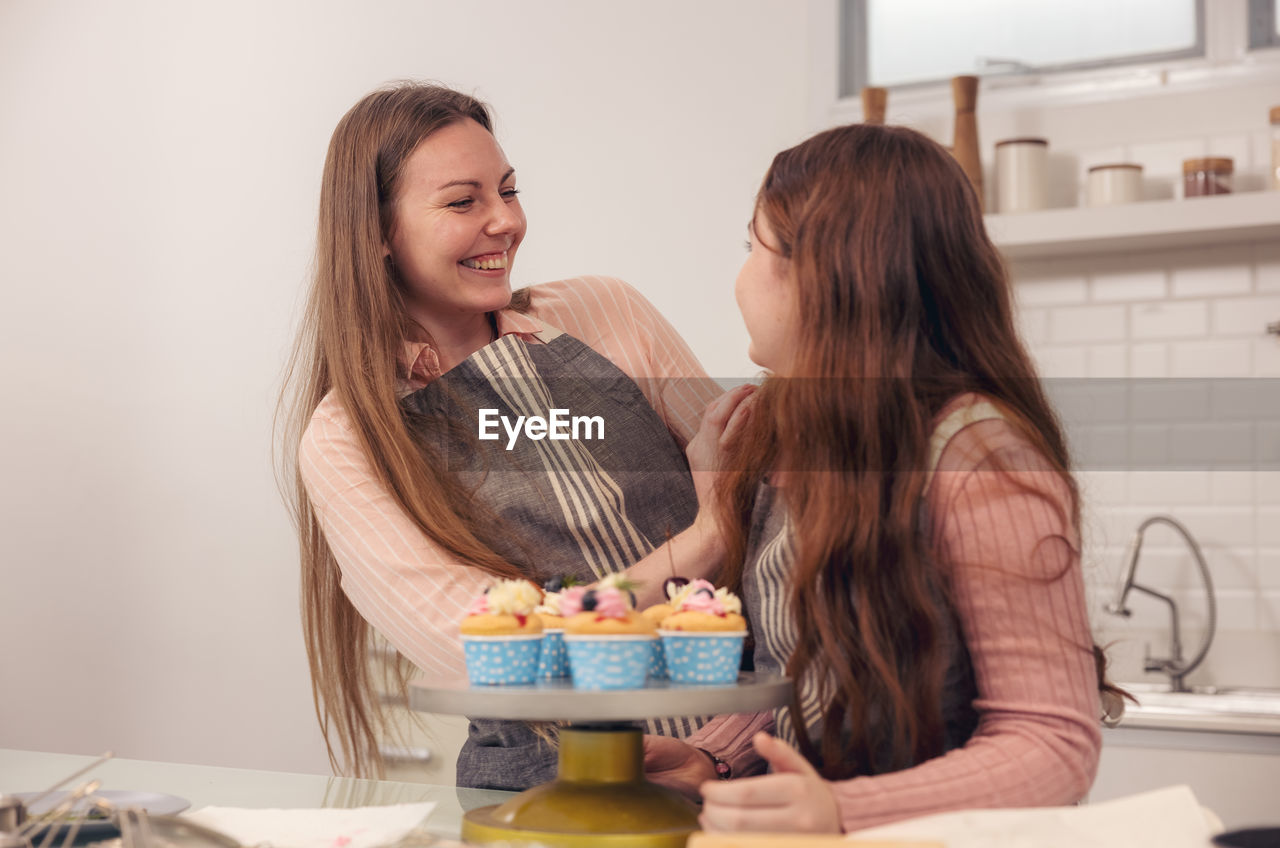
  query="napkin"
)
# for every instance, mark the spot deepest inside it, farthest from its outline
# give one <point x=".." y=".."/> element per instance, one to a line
<point x="356" y="827"/>
<point x="1170" y="818"/>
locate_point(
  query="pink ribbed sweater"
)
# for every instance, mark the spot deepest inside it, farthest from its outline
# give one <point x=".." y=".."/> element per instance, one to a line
<point x="1008" y="534"/>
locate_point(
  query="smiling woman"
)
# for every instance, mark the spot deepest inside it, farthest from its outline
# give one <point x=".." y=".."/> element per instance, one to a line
<point x="405" y="512"/>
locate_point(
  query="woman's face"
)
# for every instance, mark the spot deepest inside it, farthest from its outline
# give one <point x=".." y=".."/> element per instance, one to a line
<point x="766" y="298"/>
<point x="457" y="224"/>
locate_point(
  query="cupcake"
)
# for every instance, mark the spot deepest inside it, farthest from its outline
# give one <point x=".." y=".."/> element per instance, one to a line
<point x="610" y="644"/>
<point x="703" y="638"/>
<point x="675" y="589"/>
<point x="555" y="658"/>
<point x="502" y="635"/>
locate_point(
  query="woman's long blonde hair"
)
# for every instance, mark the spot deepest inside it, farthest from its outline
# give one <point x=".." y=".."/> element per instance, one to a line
<point x="349" y="343"/>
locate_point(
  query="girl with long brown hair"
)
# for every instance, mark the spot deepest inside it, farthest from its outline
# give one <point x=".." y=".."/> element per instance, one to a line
<point x="902" y="523"/>
<point x="406" y="509"/>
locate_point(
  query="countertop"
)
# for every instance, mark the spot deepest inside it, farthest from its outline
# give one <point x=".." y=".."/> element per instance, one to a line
<point x="27" y="771"/>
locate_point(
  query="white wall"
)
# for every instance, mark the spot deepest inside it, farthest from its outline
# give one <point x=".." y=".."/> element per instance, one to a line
<point x="159" y="169"/>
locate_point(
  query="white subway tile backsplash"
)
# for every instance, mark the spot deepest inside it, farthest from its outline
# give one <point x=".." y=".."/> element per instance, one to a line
<point x="1267" y="268"/>
<point x="1268" y="483"/>
<point x="1103" y="487"/>
<point x="1056" y="362"/>
<point x="1232" y="487"/>
<point x="1221" y="526"/>
<point x="1141" y="284"/>
<point x="1083" y="324"/>
<point x="1108" y="361"/>
<point x="1269" y="568"/>
<point x="1211" y="358"/>
<point x="1033" y="326"/>
<point x="1188" y="433"/>
<point x="1269" y="611"/>
<point x="1175" y="568"/>
<point x="1244" y="316"/>
<point x="1167" y="488"/>
<point x="1150" y="359"/>
<point x="1211" y="276"/>
<point x="1052" y="291"/>
<point x="1269" y="527"/>
<point x="1266" y="356"/>
<point x="1169" y="320"/>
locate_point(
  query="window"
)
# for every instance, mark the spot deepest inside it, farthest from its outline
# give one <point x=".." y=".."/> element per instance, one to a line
<point x="1264" y="24"/>
<point x="913" y="42"/>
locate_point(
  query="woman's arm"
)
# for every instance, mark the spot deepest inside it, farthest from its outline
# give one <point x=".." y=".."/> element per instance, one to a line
<point x="398" y="579"/>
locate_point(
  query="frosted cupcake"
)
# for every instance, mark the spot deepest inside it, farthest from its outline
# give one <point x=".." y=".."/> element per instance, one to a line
<point x="555" y="657"/>
<point x="675" y="589"/>
<point x="610" y="644"/>
<point x="502" y="635"/>
<point x="703" y="637"/>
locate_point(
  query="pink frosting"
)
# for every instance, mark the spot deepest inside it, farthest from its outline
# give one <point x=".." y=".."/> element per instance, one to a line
<point x="611" y="603"/>
<point x="698" y="601"/>
<point x="480" y="606"/>
<point x="571" y="600"/>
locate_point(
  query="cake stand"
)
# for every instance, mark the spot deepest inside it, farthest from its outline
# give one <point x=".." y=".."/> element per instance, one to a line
<point x="600" y="796"/>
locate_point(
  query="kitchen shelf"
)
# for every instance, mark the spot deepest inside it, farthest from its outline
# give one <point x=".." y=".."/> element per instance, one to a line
<point x="1151" y="225"/>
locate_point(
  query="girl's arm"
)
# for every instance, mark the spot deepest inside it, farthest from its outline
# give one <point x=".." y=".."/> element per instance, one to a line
<point x="1009" y="530"/>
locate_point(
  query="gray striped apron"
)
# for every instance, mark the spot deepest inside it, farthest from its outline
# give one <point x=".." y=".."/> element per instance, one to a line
<point x="586" y="507"/>
<point x="766" y="597"/>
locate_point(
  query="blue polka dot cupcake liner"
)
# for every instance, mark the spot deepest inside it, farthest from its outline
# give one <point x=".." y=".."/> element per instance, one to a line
<point x="608" y="662"/>
<point x="555" y="657"/>
<point x="499" y="660"/>
<point x="707" y="658"/>
<point x="658" y="662"/>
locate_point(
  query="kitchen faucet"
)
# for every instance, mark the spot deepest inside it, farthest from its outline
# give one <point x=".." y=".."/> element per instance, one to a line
<point x="1173" y="665"/>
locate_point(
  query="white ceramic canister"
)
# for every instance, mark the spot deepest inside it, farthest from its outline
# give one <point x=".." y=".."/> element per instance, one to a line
<point x="1112" y="184"/>
<point x="1022" y="174"/>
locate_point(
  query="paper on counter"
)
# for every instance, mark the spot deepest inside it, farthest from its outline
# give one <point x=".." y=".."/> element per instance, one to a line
<point x="356" y="827"/>
<point x="1170" y="818"/>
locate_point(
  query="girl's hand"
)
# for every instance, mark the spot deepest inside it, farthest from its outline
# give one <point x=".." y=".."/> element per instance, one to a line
<point x="793" y="798"/>
<point x="722" y="418"/>
<point x="676" y="765"/>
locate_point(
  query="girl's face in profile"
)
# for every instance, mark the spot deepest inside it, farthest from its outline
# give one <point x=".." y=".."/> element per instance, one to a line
<point x="457" y="225"/>
<point x="766" y="298"/>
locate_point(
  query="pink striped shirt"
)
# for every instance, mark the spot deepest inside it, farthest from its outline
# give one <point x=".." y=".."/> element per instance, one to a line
<point x="1006" y="527"/>
<point x="413" y="592"/>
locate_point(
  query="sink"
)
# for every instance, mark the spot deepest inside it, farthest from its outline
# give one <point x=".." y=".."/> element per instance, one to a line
<point x="1225" y="708"/>
<point x="1234" y="700"/>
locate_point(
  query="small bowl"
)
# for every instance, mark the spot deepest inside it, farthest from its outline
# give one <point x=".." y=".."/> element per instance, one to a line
<point x="706" y="657"/>
<point x="609" y="661"/>
<point x="502" y="660"/>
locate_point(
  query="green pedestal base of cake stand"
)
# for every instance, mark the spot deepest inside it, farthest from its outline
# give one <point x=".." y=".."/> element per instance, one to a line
<point x="600" y="798"/>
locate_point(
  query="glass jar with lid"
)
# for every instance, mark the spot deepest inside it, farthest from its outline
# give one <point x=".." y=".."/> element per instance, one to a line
<point x="1202" y="177"/>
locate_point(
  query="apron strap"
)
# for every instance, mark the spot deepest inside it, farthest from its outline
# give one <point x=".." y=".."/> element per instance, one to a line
<point x="951" y="425"/>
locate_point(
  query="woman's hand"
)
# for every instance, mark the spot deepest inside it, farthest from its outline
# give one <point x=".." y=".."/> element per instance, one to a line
<point x="676" y="765"/>
<point x="793" y="798"/>
<point x="723" y="417"/>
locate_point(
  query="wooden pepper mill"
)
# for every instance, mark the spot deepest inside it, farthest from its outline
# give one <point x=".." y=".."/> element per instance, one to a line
<point x="964" y="90"/>
<point x="874" y="100"/>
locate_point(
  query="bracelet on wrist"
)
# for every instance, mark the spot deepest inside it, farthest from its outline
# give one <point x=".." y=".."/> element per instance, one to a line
<point x="723" y="769"/>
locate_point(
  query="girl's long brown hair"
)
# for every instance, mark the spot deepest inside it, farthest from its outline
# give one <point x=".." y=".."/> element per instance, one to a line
<point x="903" y="304"/>
<point x="349" y="344"/>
